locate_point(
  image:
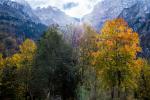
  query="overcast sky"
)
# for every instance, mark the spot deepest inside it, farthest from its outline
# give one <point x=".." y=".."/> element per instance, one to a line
<point x="74" y="8"/>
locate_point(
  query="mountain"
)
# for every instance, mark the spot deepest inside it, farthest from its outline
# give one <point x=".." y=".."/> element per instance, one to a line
<point x="48" y="16"/>
<point x="138" y="17"/>
<point x="17" y="23"/>
<point x="26" y="9"/>
<point x="14" y="19"/>
<point x="106" y="9"/>
<point x="53" y="15"/>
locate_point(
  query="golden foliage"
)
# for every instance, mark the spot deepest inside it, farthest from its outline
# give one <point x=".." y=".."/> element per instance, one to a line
<point x="28" y="49"/>
<point x="26" y="53"/>
<point x="119" y="46"/>
<point x="113" y="52"/>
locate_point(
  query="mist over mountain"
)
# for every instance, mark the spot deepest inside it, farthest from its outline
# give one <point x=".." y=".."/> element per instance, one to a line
<point x="53" y="15"/>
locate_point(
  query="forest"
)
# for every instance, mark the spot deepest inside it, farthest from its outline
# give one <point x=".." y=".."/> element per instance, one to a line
<point x="84" y="65"/>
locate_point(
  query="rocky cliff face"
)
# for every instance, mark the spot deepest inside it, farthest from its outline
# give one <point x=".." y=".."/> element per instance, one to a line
<point x="25" y="8"/>
<point x="138" y="17"/>
<point x="105" y="10"/>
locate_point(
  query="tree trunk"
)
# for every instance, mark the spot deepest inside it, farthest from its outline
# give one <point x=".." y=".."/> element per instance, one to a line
<point x="48" y="96"/>
<point x="119" y="84"/>
<point x="112" y="93"/>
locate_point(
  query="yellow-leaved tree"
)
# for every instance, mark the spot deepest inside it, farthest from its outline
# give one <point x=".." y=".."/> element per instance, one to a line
<point x="116" y="57"/>
<point x="23" y="61"/>
<point x="15" y="71"/>
<point x="26" y="54"/>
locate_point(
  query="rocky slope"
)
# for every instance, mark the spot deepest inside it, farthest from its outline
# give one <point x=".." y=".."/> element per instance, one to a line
<point x="138" y="17"/>
<point x="26" y="8"/>
<point x="105" y="10"/>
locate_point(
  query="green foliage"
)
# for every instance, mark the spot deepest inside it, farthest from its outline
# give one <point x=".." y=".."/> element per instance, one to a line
<point x="9" y="83"/>
<point x="53" y="71"/>
<point x="143" y="90"/>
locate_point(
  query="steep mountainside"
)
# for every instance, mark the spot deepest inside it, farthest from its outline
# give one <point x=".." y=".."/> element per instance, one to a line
<point x="14" y="20"/>
<point x="138" y="17"/>
<point x="28" y="10"/>
<point x="107" y="9"/>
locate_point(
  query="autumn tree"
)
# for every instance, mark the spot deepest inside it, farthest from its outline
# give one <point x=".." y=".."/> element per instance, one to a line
<point x="9" y="83"/>
<point x="26" y="54"/>
<point x="16" y="72"/>
<point x="116" y="57"/>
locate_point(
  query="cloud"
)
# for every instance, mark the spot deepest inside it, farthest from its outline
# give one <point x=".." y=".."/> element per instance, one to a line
<point x="84" y="7"/>
<point x="70" y="5"/>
